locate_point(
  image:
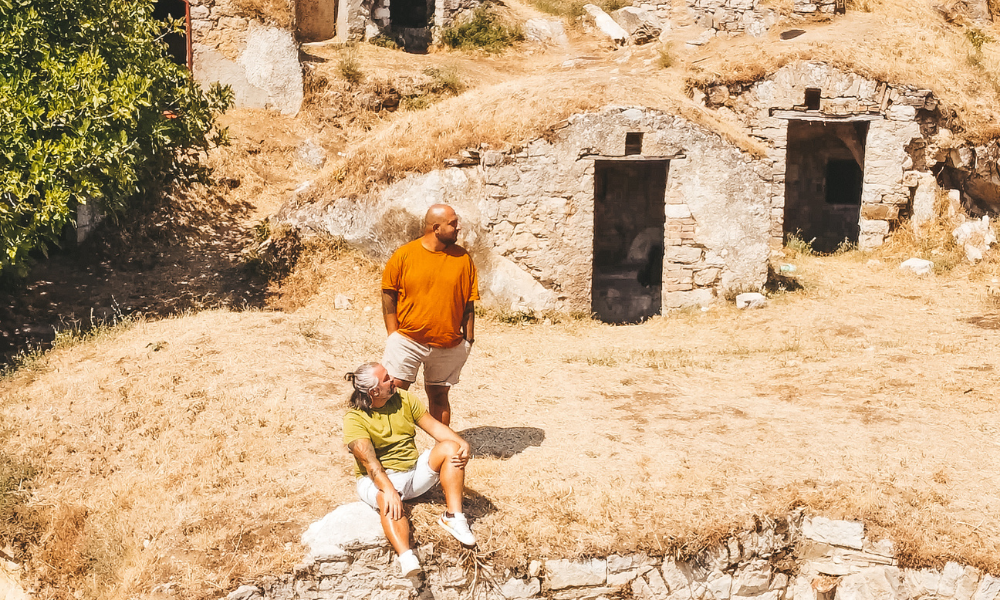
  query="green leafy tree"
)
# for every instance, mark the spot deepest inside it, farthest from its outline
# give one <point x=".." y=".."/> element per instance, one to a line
<point x="92" y="111"/>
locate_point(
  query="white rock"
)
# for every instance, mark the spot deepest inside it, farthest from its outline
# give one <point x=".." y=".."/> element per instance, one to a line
<point x="751" y="300"/>
<point x="271" y="63"/>
<point x="976" y="237"/>
<point x="917" y="265"/>
<point x="311" y="154"/>
<point x="341" y="302"/>
<point x="606" y="24"/>
<point x="752" y="579"/>
<point x="245" y="592"/>
<point x="534" y="568"/>
<point x="545" y="31"/>
<point x="568" y="573"/>
<point x="802" y="589"/>
<point x="642" y="26"/>
<point x="519" y="588"/>
<point x="989" y="588"/>
<point x="850" y="534"/>
<point x="675" y="576"/>
<point x="349" y="527"/>
<point x="721" y="587"/>
<point x="875" y="583"/>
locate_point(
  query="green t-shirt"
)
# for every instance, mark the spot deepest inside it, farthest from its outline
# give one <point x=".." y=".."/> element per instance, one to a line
<point x="392" y="430"/>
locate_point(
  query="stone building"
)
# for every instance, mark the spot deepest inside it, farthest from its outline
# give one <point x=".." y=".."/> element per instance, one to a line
<point x="624" y="213"/>
<point x="629" y="212"/>
<point x="851" y="157"/>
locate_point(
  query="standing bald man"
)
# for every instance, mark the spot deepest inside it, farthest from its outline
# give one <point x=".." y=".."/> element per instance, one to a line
<point x="429" y="290"/>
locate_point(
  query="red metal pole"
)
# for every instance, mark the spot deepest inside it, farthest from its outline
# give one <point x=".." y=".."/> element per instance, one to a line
<point x="187" y="25"/>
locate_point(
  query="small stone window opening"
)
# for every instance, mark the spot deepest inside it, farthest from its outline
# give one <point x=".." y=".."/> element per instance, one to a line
<point x="813" y="98"/>
<point x="844" y="180"/>
<point x="633" y="143"/>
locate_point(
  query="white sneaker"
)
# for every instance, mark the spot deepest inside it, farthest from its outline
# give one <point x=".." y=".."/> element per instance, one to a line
<point x="458" y="526"/>
<point x="409" y="564"/>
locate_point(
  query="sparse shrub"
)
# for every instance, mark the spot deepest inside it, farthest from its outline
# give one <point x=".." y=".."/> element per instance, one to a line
<point x="845" y="246"/>
<point x="273" y="252"/>
<point x="446" y="80"/>
<point x="313" y="84"/>
<point x="861" y="5"/>
<point x="484" y="31"/>
<point x="349" y="67"/>
<point x="665" y="59"/>
<point x="384" y="41"/>
<point x="977" y="38"/>
<point x="797" y="245"/>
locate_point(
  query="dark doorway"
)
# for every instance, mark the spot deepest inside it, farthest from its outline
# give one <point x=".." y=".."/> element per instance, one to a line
<point x="177" y="43"/>
<point x="823" y="182"/>
<point x="410" y="14"/>
<point x="316" y="20"/>
<point x="629" y="218"/>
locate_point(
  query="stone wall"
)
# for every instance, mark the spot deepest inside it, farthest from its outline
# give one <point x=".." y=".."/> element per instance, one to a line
<point x="795" y="558"/>
<point x="733" y="16"/>
<point x="808" y="7"/>
<point x="903" y="123"/>
<point x="259" y="62"/>
<point x="529" y="215"/>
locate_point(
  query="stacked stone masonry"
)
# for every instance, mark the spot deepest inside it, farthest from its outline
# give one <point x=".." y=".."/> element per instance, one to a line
<point x="903" y="130"/>
<point x="809" y="7"/>
<point x="529" y="215"/>
<point x="733" y="16"/>
<point x="832" y="560"/>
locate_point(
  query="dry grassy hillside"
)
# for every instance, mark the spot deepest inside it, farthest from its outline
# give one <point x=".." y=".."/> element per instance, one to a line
<point x="192" y="452"/>
<point x="185" y="455"/>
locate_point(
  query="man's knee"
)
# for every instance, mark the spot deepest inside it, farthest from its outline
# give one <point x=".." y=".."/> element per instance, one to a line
<point x="448" y="448"/>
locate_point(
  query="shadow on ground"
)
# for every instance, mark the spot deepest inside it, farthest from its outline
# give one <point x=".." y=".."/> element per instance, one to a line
<point x="179" y="252"/>
<point x="502" y="442"/>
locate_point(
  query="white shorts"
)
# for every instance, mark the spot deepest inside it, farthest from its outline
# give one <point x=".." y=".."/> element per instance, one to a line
<point x="410" y="484"/>
<point x="442" y="366"/>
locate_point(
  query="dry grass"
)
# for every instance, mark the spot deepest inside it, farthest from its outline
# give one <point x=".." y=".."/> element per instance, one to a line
<point x="898" y="41"/>
<point x="279" y="13"/>
<point x="197" y="449"/>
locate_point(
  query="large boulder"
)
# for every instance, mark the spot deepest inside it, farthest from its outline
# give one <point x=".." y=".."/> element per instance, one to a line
<point x="642" y="26"/>
<point x="349" y="527"/>
<point x="606" y="25"/>
<point x="548" y="32"/>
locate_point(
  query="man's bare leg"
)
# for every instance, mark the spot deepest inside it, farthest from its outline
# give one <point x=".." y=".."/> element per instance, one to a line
<point x="403" y="385"/>
<point x="397" y="531"/>
<point x="437" y="402"/>
<point x="452" y="477"/>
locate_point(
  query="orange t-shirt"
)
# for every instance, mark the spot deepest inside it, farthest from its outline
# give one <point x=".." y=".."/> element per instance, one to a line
<point x="433" y="288"/>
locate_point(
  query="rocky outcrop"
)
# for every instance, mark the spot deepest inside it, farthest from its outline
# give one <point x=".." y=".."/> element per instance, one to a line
<point x="794" y="558"/>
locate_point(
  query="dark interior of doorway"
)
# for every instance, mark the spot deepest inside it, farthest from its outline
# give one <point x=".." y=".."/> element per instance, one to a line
<point x="628" y="239"/>
<point x="410" y="13"/>
<point x="177" y="46"/>
<point x="823" y="182"/>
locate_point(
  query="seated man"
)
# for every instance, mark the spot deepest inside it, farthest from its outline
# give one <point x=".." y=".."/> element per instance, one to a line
<point x="379" y="430"/>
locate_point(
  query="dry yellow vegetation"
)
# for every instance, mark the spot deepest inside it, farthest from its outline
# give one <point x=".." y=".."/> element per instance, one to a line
<point x="196" y="449"/>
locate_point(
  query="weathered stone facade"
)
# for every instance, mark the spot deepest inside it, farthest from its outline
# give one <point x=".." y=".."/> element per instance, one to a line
<point x="830" y="559"/>
<point x="530" y="216"/>
<point x="809" y="7"/>
<point x="259" y="62"/>
<point x="733" y="16"/>
<point x="902" y="123"/>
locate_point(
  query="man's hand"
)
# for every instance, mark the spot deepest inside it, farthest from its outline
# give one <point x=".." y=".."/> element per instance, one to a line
<point x="464" y="452"/>
<point x="393" y="504"/>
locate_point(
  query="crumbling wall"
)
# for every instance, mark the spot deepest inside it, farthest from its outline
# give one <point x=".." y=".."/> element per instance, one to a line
<point x="733" y="16"/>
<point x="260" y="62"/>
<point x="529" y="215"/>
<point x="900" y="117"/>
<point x="809" y="7"/>
<point x="793" y="558"/>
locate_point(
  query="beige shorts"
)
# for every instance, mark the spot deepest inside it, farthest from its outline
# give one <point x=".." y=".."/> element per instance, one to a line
<point x="442" y="366"/>
<point x="410" y="484"/>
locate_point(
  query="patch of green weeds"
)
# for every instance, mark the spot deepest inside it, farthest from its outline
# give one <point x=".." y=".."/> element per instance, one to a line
<point x="798" y="245"/>
<point x="484" y="31"/>
<point x="665" y="59"/>
<point x="349" y="67"/>
<point x="384" y="41"/>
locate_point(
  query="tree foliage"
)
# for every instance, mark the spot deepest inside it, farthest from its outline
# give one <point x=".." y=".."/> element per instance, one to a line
<point x="92" y="110"/>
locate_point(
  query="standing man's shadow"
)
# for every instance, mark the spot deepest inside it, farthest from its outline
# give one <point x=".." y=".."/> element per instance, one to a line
<point x="502" y="442"/>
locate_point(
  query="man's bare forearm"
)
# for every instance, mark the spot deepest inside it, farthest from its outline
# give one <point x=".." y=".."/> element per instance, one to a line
<point x="364" y="451"/>
<point x="389" y="300"/>
<point x="469" y="321"/>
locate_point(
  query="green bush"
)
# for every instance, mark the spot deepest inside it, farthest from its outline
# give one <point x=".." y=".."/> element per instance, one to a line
<point x="92" y="110"/>
<point x="485" y="31"/>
